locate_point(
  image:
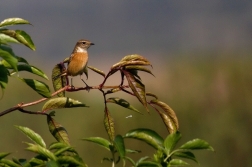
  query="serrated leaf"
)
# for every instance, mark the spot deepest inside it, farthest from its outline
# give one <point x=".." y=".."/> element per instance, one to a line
<point x="7" y="55"/>
<point x="96" y="70"/>
<point x="40" y="87"/>
<point x="13" y="21"/>
<point x="171" y="141"/>
<point x="31" y="69"/>
<point x="25" y="39"/>
<point x="100" y="141"/>
<point x="33" y="136"/>
<point x="169" y="117"/>
<point x="70" y="160"/>
<point x="58" y="131"/>
<point x="3" y="155"/>
<point x="185" y="154"/>
<point x="109" y="124"/>
<point x="61" y="102"/>
<point x="9" y="163"/>
<point x="119" y="144"/>
<point x="122" y="103"/>
<point x="137" y="87"/>
<point x="41" y="151"/>
<point x="197" y="144"/>
<point x="177" y="162"/>
<point x="58" y="82"/>
<point x="146" y="135"/>
<point x="140" y="68"/>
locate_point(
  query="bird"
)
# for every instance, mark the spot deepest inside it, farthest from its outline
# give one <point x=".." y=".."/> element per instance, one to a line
<point x="77" y="63"/>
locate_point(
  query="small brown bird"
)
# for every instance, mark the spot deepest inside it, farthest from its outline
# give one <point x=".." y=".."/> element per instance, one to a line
<point x="77" y="64"/>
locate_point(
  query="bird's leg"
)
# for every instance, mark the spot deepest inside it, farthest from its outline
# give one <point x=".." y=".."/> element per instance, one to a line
<point x="72" y="83"/>
<point x="87" y="87"/>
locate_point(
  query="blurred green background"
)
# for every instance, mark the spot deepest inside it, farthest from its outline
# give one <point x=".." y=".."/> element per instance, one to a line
<point x="202" y="62"/>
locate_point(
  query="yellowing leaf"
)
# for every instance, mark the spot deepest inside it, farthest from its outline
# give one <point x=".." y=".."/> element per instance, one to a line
<point x="58" y="81"/>
<point x="61" y="102"/>
<point x="109" y="125"/>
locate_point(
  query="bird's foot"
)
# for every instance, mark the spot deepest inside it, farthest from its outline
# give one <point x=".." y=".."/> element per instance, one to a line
<point x="87" y="87"/>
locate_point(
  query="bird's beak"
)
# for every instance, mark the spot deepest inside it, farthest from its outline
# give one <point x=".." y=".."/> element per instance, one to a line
<point x="91" y="43"/>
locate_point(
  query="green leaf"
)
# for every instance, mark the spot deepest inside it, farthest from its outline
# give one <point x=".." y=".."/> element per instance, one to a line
<point x="171" y="141"/>
<point x="40" y="87"/>
<point x="59" y="81"/>
<point x="58" y="131"/>
<point x="197" y="144"/>
<point x="9" y="57"/>
<point x="3" y="77"/>
<point x="185" y="154"/>
<point x="5" y="39"/>
<point x="35" y="162"/>
<point x="9" y="163"/>
<point x="61" y="102"/>
<point x="137" y="87"/>
<point x="122" y="103"/>
<point x="119" y="144"/>
<point x="168" y="116"/>
<point x="62" y="150"/>
<point x="13" y="21"/>
<point x="25" y="39"/>
<point x="148" y="164"/>
<point x="32" y="69"/>
<point x="3" y="154"/>
<point x="177" y="162"/>
<point x="41" y="151"/>
<point x="109" y="124"/>
<point x="100" y="141"/>
<point x="146" y="135"/>
<point x="96" y="70"/>
<point x="70" y="160"/>
<point x="36" y="138"/>
<point x="52" y="164"/>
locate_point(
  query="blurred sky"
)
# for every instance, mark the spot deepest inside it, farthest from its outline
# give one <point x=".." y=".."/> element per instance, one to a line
<point x="151" y="28"/>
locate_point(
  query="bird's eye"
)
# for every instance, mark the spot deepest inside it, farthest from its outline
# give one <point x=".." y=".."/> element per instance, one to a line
<point x="83" y="42"/>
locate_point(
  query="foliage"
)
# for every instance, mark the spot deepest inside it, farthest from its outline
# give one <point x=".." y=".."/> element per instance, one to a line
<point x="61" y="153"/>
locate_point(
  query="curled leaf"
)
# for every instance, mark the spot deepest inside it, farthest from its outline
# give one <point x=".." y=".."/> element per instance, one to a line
<point x="109" y="124"/>
<point x="58" y="80"/>
<point x="151" y="94"/>
<point x="137" y="87"/>
<point x="58" y="131"/>
<point x="168" y="116"/>
<point x="140" y="68"/>
<point x="96" y="70"/>
<point x="61" y="102"/>
<point x="122" y="103"/>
